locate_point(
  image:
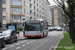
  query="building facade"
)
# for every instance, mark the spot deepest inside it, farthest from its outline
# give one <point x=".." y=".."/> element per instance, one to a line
<point x="52" y="14"/>
<point x="13" y="10"/>
<point x="1" y="16"/>
<point x="59" y="19"/>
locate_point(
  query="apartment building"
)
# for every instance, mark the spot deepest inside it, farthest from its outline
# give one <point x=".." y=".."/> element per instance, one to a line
<point x="13" y="10"/>
<point x="47" y="12"/>
<point x="59" y="19"/>
<point x="52" y="14"/>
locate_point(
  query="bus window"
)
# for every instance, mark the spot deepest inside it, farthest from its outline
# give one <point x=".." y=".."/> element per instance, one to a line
<point x="32" y="27"/>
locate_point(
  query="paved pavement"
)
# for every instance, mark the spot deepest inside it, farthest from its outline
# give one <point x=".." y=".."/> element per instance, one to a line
<point x="20" y="36"/>
<point x="35" y="43"/>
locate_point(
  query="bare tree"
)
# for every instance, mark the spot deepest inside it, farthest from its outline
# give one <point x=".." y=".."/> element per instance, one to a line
<point x="68" y="9"/>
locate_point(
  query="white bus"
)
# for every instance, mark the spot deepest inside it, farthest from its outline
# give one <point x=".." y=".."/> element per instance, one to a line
<point x="35" y="28"/>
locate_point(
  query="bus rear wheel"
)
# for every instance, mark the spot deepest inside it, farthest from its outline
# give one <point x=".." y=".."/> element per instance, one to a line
<point x="43" y="35"/>
<point x="47" y="34"/>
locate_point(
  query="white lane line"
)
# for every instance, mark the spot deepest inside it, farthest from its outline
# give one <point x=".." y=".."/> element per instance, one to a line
<point x="17" y="44"/>
<point x="18" y="47"/>
<point x="4" y="49"/>
<point x="23" y="45"/>
<point x="11" y="45"/>
<point x="27" y="43"/>
<point x="21" y="42"/>
<point x="33" y="40"/>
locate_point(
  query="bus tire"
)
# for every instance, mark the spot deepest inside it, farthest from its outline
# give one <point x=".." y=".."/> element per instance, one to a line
<point x="47" y="34"/>
<point x="28" y="37"/>
<point x="42" y="35"/>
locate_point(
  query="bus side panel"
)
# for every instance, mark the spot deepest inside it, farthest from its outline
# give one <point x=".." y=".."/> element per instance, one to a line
<point x="32" y="34"/>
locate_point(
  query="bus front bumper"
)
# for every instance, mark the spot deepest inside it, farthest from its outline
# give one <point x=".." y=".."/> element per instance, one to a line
<point x="33" y="35"/>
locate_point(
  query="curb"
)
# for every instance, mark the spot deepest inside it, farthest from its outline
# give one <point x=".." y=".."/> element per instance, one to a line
<point x="56" y="44"/>
<point x="21" y="38"/>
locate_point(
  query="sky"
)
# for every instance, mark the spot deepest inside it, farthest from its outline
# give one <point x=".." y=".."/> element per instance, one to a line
<point x="51" y="2"/>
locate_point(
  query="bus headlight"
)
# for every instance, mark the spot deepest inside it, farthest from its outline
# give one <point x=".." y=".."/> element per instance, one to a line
<point x="25" y="33"/>
<point x="39" y="33"/>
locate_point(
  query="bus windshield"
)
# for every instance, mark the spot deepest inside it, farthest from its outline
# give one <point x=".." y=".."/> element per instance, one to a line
<point x="32" y="27"/>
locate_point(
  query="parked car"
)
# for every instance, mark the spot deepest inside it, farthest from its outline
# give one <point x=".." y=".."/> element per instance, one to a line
<point x="9" y="36"/>
<point x="56" y="27"/>
<point x="2" y="42"/>
<point x="49" y="28"/>
<point x="59" y="29"/>
<point x="53" y="28"/>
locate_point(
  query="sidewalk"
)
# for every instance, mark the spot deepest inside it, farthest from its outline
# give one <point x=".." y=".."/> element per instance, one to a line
<point x="20" y="36"/>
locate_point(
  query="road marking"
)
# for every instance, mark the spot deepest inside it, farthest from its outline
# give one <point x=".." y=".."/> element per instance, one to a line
<point x="23" y="45"/>
<point x="27" y="43"/>
<point x="33" y="40"/>
<point x="17" y="44"/>
<point x="4" y="49"/>
<point x="21" y="42"/>
<point x="11" y="45"/>
<point x="18" y="47"/>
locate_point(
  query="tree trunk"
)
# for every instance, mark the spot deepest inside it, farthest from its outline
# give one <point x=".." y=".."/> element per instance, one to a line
<point x="72" y="31"/>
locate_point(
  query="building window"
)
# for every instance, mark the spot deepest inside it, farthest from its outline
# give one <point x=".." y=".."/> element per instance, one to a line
<point x="3" y="1"/>
<point x="34" y="2"/>
<point x="24" y="3"/>
<point x="34" y="14"/>
<point x="40" y="16"/>
<point x="15" y="2"/>
<point x="4" y="9"/>
<point x="24" y="10"/>
<point x="30" y="5"/>
<point x="16" y="10"/>
<point x="30" y="12"/>
<point x="16" y="18"/>
<point x="30" y="0"/>
<point x="37" y="5"/>
<point x="4" y="17"/>
<point x="34" y="8"/>
<point x="37" y="10"/>
<point x="37" y="15"/>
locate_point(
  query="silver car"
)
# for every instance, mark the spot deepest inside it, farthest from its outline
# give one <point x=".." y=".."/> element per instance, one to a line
<point x="2" y="42"/>
<point x="59" y="29"/>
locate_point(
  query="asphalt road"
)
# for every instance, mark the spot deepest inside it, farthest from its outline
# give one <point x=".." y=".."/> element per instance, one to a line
<point x="35" y="43"/>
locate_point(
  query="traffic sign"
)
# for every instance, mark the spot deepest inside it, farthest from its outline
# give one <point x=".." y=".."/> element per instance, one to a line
<point x="23" y="17"/>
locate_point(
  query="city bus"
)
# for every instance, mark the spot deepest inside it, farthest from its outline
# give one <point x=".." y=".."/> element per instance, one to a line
<point x="35" y="28"/>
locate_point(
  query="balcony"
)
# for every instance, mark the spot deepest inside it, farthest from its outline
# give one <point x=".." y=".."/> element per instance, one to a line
<point x="16" y="13"/>
<point x="16" y="21"/>
<point x="16" y="6"/>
